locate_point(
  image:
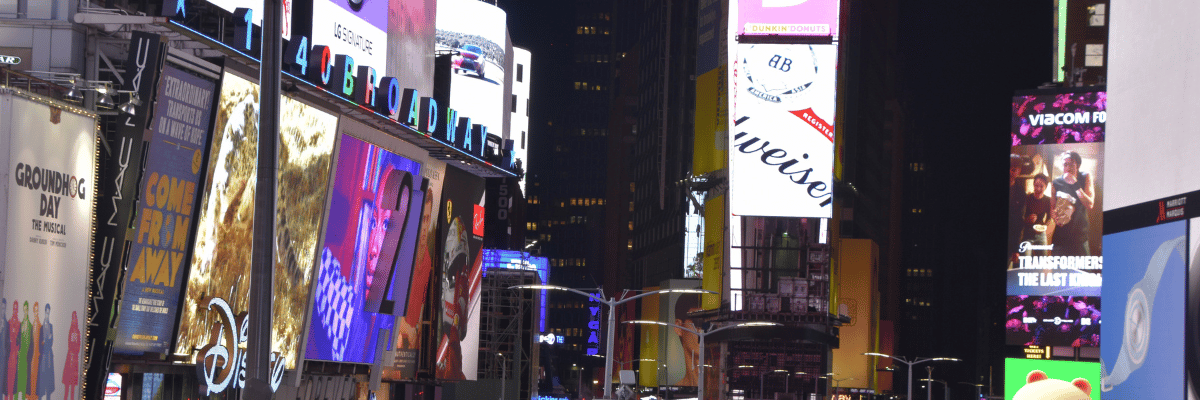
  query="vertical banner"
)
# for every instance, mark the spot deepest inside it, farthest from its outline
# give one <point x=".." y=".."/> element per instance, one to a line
<point x="460" y="238"/>
<point x="648" y="349"/>
<point x="162" y="240"/>
<point x="120" y="173"/>
<point x="367" y="258"/>
<point x="50" y="165"/>
<point x="220" y="263"/>
<point x="781" y="146"/>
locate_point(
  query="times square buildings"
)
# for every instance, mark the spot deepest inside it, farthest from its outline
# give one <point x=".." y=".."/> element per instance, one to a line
<point x="404" y="138"/>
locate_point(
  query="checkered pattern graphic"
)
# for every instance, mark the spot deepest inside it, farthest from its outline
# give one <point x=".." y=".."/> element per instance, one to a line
<point x="334" y="297"/>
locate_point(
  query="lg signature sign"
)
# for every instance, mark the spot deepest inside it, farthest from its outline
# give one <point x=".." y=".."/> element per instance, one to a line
<point x="222" y="361"/>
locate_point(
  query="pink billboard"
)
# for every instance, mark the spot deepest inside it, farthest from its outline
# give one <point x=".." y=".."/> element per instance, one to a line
<point x="788" y="17"/>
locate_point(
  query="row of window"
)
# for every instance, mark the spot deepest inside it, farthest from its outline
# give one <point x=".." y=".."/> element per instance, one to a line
<point x="586" y="86"/>
<point x="590" y="30"/>
<point x="591" y="58"/>
<point x="919" y="272"/>
<point x="593" y="132"/>
<point x="568" y="262"/>
<point x="919" y="303"/>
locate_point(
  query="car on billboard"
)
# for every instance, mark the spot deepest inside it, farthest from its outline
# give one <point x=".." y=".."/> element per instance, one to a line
<point x="469" y="57"/>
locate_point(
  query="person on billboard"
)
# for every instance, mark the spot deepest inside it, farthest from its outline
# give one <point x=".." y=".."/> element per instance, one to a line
<point x="23" y="354"/>
<point x="1037" y="214"/>
<point x="455" y="298"/>
<point x="689" y="342"/>
<point x="1076" y="188"/>
<point x="70" y="376"/>
<point x="1017" y="166"/>
<point x="14" y="348"/>
<point x="45" y="378"/>
<point x="35" y="353"/>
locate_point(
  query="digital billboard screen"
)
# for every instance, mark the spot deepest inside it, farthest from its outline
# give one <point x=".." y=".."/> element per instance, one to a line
<point x="256" y="11"/>
<point x="781" y="139"/>
<point x="179" y="135"/>
<point x="1051" y="379"/>
<point x="48" y="201"/>
<point x="460" y="243"/>
<point x="519" y="260"/>
<point x="1148" y="332"/>
<point x="1055" y="253"/>
<point x="356" y="28"/>
<point x="366" y="262"/>
<point x="220" y="264"/>
<point x="475" y="32"/>
<point x="788" y="17"/>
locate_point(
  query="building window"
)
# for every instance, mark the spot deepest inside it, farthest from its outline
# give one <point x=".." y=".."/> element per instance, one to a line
<point x="513" y="101"/>
<point x="520" y="72"/>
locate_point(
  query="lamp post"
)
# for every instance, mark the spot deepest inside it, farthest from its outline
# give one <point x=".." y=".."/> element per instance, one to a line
<point x="978" y="388"/>
<point x="612" y="304"/>
<point x="836" y="381"/>
<point x="945" y="386"/>
<point x="910" y="364"/>
<point x="702" y="335"/>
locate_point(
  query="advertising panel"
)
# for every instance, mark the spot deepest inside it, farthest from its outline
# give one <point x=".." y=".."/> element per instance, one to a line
<point x="178" y="136"/>
<point x="366" y="263"/>
<point x="788" y="17"/>
<point x="50" y="154"/>
<point x="856" y="298"/>
<point x="408" y="338"/>
<point x="356" y="28"/>
<point x="713" y="278"/>
<point x="781" y="146"/>
<point x="256" y="11"/>
<point x="1045" y="379"/>
<point x="519" y="260"/>
<point x="1056" y="177"/>
<point x="682" y="347"/>
<point x="1055" y="202"/>
<point x="220" y="263"/>
<point x="475" y="31"/>
<point x="410" y="32"/>
<point x="460" y="240"/>
<point x="1142" y="356"/>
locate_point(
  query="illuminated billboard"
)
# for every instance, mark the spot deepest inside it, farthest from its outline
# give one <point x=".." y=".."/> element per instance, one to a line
<point x="460" y="245"/>
<point x="220" y="264"/>
<point x="1056" y="179"/>
<point x="781" y="142"/>
<point x="169" y="190"/>
<point x="788" y="17"/>
<point x="519" y="124"/>
<point x="355" y="28"/>
<point x="256" y="11"/>
<point x="1149" y="337"/>
<point x="1046" y="379"/>
<point x="48" y="200"/>
<point x="364" y="273"/>
<point x="408" y="338"/>
<point x="682" y="347"/>
<point x="475" y="31"/>
<point x="519" y="260"/>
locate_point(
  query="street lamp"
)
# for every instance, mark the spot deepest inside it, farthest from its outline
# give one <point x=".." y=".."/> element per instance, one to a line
<point x="978" y="388"/>
<point x="910" y="364"/>
<point x="945" y="386"/>
<point x="836" y="381"/>
<point x="612" y="304"/>
<point x="702" y="334"/>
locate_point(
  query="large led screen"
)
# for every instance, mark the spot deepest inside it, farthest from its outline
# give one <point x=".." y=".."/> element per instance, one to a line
<point x="1046" y="379"/>
<point x="50" y="156"/>
<point x="460" y="242"/>
<point x="1146" y="281"/>
<point x="475" y="32"/>
<point x="256" y="11"/>
<point x="788" y="17"/>
<point x="1052" y="320"/>
<point x="171" y="175"/>
<point x="519" y="260"/>
<point x="220" y="266"/>
<point x="781" y="138"/>
<point x="364" y="272"/>
<point x="356" y="28"/>
<point x="408" y="338"/>
<point x="1055" y="200"/>
<point x="682" y="347"/>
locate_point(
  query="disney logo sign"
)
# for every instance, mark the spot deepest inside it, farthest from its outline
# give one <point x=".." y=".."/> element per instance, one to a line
<point x="224" y="358"/>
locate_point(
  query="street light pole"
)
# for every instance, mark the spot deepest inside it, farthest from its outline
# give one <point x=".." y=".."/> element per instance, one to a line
<point x="612" y="304"/>
<point x="700" y="379"/>
<point x="910" y="365"/>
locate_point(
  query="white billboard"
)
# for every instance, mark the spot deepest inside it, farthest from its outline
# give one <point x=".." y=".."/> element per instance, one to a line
<point x="519" y="125"/>
<point x="781" y="138"/>
<point x="356" y="28"/>
<point x="49" y="180"/>
<point x="256" y="12"/>
<point x="475" y="31"/>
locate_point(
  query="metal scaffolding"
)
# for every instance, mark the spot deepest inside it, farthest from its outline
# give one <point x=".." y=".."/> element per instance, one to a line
<point x="508" y="326"/>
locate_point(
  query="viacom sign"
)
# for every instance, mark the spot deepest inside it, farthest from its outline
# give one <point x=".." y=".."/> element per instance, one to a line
<point x="357" y="81"/>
